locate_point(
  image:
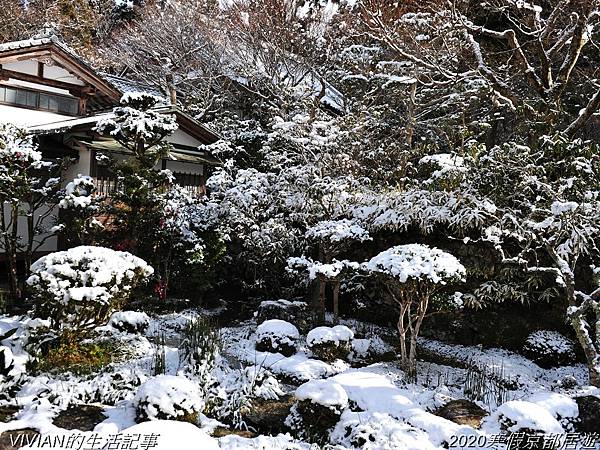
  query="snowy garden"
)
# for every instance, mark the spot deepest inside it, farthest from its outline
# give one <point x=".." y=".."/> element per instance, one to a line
<point x="396" y="245"/>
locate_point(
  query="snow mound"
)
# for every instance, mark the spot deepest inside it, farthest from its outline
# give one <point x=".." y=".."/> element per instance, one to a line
<point x="416" y="261"/>
<point x="130" y="321"/>
<point x="376" y="393"/>
<point x="323" y="392"/>
<point x="174" y="435"/>
<point x="325" y="335"/>
<point x="378" y="431"/>
<point x="168" y="397"/>
<point x="559" y="405"/>
<point x="519" y="415"/>
<point x="278" y="328"/>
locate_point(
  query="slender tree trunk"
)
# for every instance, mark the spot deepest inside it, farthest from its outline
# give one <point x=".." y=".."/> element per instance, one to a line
<point x="336" y="295"/>
<point x="10" y="247"/>
<point x="412" y="358"/>
<point x="578" y="317"/>
<point x="402" y="335"/>
<point x="321" y="311"/>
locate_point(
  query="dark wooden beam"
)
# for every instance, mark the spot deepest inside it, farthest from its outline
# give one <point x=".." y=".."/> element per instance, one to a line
<point x="72" y="88"/>
<point x="22" y="54"/>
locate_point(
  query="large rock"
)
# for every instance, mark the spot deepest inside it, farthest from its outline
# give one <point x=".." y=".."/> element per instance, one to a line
<point x="268" y="416"/>
<point x="318" y="409"/>
<point x="462" y="412"/>
<point x="589" y="414"/>
<point x="80" y="417"/>
<point x="16" y="439"/>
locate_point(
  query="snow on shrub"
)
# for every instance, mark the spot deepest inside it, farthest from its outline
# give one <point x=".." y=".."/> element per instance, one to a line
<point x="325" y="393"/>
<point x="521" y="416"/>
<point x="78" y="193"/>
<point x="411" y="274"/>
<point x="338" y="231"/>
<point x="168" y="397"/>
<point x="295" y="312"/>
<point x="78" y="289"/>
<point x="549" y="349"/>
<point x="418" y="262"/>
<point x="330" y="343"/>
<point x="319" y="407"/>
<point x="378" y="431"/>
<point x="129" y="321"/>
<point x="563" y="408"/>
<point x="277" y="336"/>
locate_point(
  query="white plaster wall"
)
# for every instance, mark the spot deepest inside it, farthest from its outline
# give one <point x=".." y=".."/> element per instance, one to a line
<point x="81" y="167"/>
<point x="182" y="138"/>
<point x="51" y="244"/>
<point x="54" y="72"/>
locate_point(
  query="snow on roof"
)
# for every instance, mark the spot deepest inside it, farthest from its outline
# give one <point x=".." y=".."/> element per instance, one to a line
<point x="123" y="85"/>
<point x="126" y="85"/>
<point x="45" y="38"/>
<point x="63" y="125"/>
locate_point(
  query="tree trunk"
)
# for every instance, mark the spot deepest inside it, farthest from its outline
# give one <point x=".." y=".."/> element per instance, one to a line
<point x="10" y="247"/>
<point x="412" y="357"/>
<point x="336" y="295"/>
<point x="321" y="311"/>
<point x="402" y="335"/>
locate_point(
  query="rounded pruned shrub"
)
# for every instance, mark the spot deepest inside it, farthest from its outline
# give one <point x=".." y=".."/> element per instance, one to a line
<point x="330" y="343"/>
<point x="78" y="289"/>
<point x="277" y="336"/>
<point x="319" y="406"/>
<point x="129" y="321"/>
<point x="549" y="349"/>
<point x="168" y="397"/>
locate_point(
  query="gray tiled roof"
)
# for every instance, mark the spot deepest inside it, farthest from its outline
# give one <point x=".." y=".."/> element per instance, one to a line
<point x="121" y="84"/>
<point x="126" y="85"/>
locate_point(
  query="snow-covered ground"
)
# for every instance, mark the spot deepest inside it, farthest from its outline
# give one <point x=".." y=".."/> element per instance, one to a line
<point x="377" y="408"/>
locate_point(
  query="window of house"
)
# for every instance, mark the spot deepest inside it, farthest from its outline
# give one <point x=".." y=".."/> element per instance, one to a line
<point x="38" y="100"/>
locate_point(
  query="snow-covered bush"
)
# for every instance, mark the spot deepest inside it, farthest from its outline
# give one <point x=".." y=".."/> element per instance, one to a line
<point x="411" y="274"/>
<point x="277" y="336"/>
<point x="563" y="408"/>
<point x="319" y="407"/>
<point x="80" y="207"/>
<point x="78" y="289"/>
<point x="168" y="397"/>
<point x="377" y="431"/>
<point x="78" y="193"/>
<point x="330" y="343"/>
<point x="549" y="348"/>
<point x="129" y="321"/>
<point x="237" y="392"/>
<point x="522" y="416"/>
<point x="295" y="312"/>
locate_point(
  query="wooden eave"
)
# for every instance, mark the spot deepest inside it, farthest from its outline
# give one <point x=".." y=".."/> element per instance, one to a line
<point x="66" y="60"/>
